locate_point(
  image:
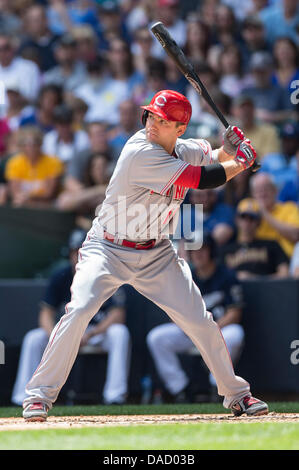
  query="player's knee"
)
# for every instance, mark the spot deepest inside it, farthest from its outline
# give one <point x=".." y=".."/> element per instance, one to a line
<point x="154" y="338"/>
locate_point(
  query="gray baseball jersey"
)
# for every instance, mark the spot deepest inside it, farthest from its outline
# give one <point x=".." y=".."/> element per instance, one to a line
<point x="142" y="200"/>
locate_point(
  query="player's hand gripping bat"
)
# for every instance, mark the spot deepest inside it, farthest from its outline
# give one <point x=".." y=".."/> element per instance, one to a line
<point x="187" y="69"/>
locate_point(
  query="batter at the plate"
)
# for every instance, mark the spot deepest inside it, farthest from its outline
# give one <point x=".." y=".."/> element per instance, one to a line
<point x="155" y="169"/>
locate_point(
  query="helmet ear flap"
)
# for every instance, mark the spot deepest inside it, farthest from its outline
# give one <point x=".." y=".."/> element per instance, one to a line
<point x="144" y="117"/>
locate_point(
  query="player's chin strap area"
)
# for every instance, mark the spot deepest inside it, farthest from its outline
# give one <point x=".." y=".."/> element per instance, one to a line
<point x="144" y="117"/>
<point x="146" y="245"/>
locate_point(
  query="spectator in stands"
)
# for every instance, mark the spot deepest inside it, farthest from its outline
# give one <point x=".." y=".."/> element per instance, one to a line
<point x="155" y="80"/>
<point x="58" y="17"/>
<point x="175" y="80"/>
<point x="230" y="71"/>
<point x="286" y="63"/>
<point x="263" y="135"/>
<point x="69" y="73"/>
<point x="33" y="177"/>
<point x="41" y="116"/>
<point x="111" y="24"/>
<point x="12" y="147"/>
<point x="280" y="220"/>
<point x="129" y="123"/>
<point x="210" y="79"/>
<point x="281" y="19"/>
<point x="76" y="170"/>
<point x="223" y="298"/>
<point x="102" y="93"/>
<point x="38" y="37"/>
<point x="225" y="33"/>
<point x="106" y="329"/>
<point x="198" y="39"/>
<point x="96" y="178"/>
<point x="142" y="49"/>
<point x="241" y="8"/>
<point x="208" y="126"/>
<point x="294" y="265"/>
<point x="80" y="109"/>
<point x="63" y="142"/>
<point x="218" y="218"/>
<point x="86" y="201"/>
<point x="282" y="165"/>
<point x="138" y="15"/>
<point x="9" y="21"/>
<point x="14" y="67"/>
<point x="226" y="26"/>
<point x="167" y="11"/>
<point x="253" y="35"/>
<point x="208" y="12"/>
<point x="121" y="66"/>
<point x="17" y="105"/>
<point x="251" y="257"/>
<point x="290" y="190"/>
<point x="258" y="6"/>
<point x="272" y="102"/>
<point x="87" y="43"/>
<point x="82" y="12"/>
<point x="4" y="133"/>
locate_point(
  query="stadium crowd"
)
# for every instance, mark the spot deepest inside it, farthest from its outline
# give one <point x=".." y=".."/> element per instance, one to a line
<point x="75" y="72"/>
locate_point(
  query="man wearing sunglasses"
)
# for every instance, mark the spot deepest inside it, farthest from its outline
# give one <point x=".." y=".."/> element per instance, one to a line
<point x="251" y="257"/>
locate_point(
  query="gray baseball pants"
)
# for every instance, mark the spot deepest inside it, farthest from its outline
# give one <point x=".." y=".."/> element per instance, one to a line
<point x="161" y="276"/>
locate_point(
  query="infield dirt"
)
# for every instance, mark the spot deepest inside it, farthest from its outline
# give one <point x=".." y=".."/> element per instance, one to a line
<point x="56" y="422"/>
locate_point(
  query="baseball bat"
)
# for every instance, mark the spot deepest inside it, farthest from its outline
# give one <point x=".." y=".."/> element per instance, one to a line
<point x="187" y="69"/>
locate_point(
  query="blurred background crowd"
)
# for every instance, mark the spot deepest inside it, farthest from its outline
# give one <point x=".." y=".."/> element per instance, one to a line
<point x="73" y="74"/>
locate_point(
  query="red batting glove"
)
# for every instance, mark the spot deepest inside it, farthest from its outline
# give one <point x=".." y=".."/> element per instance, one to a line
<point x="246" y="154"/>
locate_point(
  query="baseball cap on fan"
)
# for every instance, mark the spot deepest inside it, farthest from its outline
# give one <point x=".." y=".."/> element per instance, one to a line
<point x="249" y="207"/>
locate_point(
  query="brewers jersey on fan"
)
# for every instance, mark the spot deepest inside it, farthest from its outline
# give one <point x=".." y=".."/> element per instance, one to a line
<point x="144" y="175"/>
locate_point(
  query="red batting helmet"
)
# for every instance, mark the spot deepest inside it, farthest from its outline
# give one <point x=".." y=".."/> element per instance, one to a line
<point x="169" y="105"/>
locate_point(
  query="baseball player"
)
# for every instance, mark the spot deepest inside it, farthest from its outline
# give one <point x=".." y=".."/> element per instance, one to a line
<point x="129" y="244"/>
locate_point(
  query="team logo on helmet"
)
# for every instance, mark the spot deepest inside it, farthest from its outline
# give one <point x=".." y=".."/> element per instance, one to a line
<point x="160" y="100"/>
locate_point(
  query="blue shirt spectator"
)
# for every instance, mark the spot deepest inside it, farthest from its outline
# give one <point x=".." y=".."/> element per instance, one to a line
<point x="281" y="20"/>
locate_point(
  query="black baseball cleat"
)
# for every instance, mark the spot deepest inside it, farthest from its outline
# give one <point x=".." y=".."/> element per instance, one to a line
<point x="251" y="406"/>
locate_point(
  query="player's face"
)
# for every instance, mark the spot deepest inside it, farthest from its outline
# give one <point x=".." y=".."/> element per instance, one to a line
<point x="162" y="132"/>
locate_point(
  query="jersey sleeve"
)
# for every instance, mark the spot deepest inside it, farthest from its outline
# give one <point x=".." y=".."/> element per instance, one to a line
<point x="197" y="152"/>
<point x="155" y="169"/>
